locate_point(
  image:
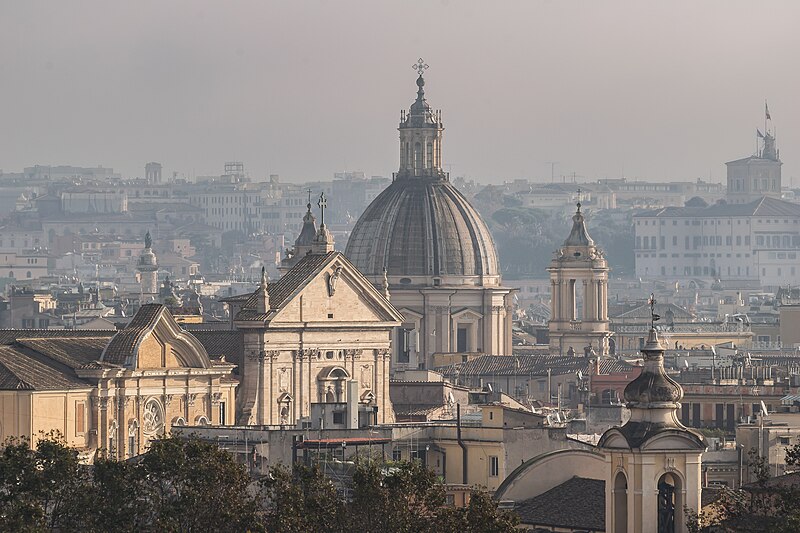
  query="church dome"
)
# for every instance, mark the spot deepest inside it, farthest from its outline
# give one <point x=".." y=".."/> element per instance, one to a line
<point x="422" y="227"/>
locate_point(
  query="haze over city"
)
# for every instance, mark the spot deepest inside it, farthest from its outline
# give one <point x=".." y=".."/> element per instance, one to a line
<point x="657" y="91"/>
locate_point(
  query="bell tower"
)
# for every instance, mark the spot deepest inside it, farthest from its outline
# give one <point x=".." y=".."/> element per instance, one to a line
<point x="579" y="294"/>
<point x="653" y="462"/>
<point x="421" y="136"/>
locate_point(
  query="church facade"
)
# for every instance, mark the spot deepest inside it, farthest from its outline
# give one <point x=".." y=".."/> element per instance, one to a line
<point x="111" y="394"/>
<point x="435" y="252"/>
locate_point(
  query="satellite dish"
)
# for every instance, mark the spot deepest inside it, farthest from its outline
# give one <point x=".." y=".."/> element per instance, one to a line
<point x="450" y="398"/>
<point x="713" y="349"/>
<point x="686" y="364"/>
<point x="489" y="387"/>
<point x="764" y="409"/>
<point x="580" y="375"/>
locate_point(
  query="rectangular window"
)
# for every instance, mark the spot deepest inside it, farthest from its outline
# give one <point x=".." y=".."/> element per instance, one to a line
<point x="80" y="418"/>
<point x="397" y="455"/>
<point x="338" y="417"/>
<point x="461" y="340"/>
<point x="494" y="466"/>
<point x="222" y="413"/>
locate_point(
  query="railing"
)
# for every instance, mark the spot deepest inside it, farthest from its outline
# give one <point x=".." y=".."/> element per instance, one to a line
<point x="684" y="328"/>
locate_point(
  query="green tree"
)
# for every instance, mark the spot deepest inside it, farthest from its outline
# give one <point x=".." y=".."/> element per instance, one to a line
<point x="37" y="486"/>
<point x="194" y="485"/>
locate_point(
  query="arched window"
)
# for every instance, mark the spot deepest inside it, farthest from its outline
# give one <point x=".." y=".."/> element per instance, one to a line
<point x="620" y="496"/>
<point x="28" y="274"/>
<point x="417" y="156"/>
<point x="133" y="438"/>
<point x="668" y="502"/>
<point x="202" y="421"/>
<point x="429" y="156"/>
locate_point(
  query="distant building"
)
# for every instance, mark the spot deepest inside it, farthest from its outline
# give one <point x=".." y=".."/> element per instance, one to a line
<point x="758" y="175"/>
<point x="152" y="173"/>
<point x="758" y="241"/>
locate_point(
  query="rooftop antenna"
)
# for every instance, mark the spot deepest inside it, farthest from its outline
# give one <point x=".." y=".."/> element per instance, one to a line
<point x="552" y="170"/>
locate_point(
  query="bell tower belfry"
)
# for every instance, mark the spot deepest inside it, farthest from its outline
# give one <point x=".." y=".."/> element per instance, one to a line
<point x="579" y="294"/>
<point x="653" y="462"/>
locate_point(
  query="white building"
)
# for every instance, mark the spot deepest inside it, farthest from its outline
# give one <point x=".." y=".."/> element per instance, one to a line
<point x="757" y="241"/>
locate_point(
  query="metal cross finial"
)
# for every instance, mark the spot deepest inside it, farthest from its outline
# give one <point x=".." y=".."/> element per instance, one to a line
<point x="322" y="203"/>
<point x="653" y="316"/>
<point x="309" y="197"/>
<point x="420" y="66"/>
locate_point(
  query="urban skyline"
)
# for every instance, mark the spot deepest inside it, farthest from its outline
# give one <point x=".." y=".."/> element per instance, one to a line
<point x="601" y="89"/>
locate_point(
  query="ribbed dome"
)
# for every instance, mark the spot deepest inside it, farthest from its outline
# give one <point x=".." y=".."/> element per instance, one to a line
<point x="422" y="227"/>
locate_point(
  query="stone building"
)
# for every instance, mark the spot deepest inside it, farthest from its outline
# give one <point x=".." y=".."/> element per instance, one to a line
<point x="109" y="391"/>
<point x="757" y="242"/>
<point x="436" y="252"/>
<point x="579" y="295"/>
<point x="316" y="345"/>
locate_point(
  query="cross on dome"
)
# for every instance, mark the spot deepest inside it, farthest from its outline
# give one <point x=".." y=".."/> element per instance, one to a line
<point x="420" y="66"/>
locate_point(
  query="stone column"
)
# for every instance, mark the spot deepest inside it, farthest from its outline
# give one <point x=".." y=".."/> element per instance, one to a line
<point x="555" y="294"/>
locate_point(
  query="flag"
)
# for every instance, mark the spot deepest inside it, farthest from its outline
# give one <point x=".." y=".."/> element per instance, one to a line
<point x="766" y="111"/>
<point x="760" y="135"/>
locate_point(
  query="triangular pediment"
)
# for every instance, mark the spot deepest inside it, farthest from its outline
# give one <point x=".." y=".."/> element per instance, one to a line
<point x="336" y="293"/>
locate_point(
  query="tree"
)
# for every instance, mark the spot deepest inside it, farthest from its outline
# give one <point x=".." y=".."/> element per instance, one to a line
<point x="398" y="498"/>
<point x="37" y="486"/>
<point x="193" y="485"/>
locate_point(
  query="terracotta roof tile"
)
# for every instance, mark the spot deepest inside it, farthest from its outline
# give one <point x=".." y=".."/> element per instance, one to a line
<point x="577" y="504"/>
<point x="73" y="352"/>
<point x="122" y="346"/>
<point x="21" y="370"/>
<point x="229" y="344"/>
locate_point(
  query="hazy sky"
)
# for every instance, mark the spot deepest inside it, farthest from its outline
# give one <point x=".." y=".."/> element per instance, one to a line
<point x="663" y="90"/>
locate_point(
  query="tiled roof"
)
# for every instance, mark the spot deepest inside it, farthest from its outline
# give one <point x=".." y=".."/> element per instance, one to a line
<point x="10" y="336"/>
<point x="765" y="206"/>
<point x="537" y="365"/>
<point x="20" y="370"/>
<point x="577" y="504"/>
<point x="73" y="352"/>
<point x="229" y="344"/>
<point x="281" y="290"/>
<point x="124" y="342"/>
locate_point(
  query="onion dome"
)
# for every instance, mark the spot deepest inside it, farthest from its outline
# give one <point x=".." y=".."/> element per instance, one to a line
<point x="653" y="387"/>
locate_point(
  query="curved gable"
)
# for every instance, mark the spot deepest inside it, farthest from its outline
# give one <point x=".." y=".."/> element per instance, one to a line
<point x="154" y="339"/>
